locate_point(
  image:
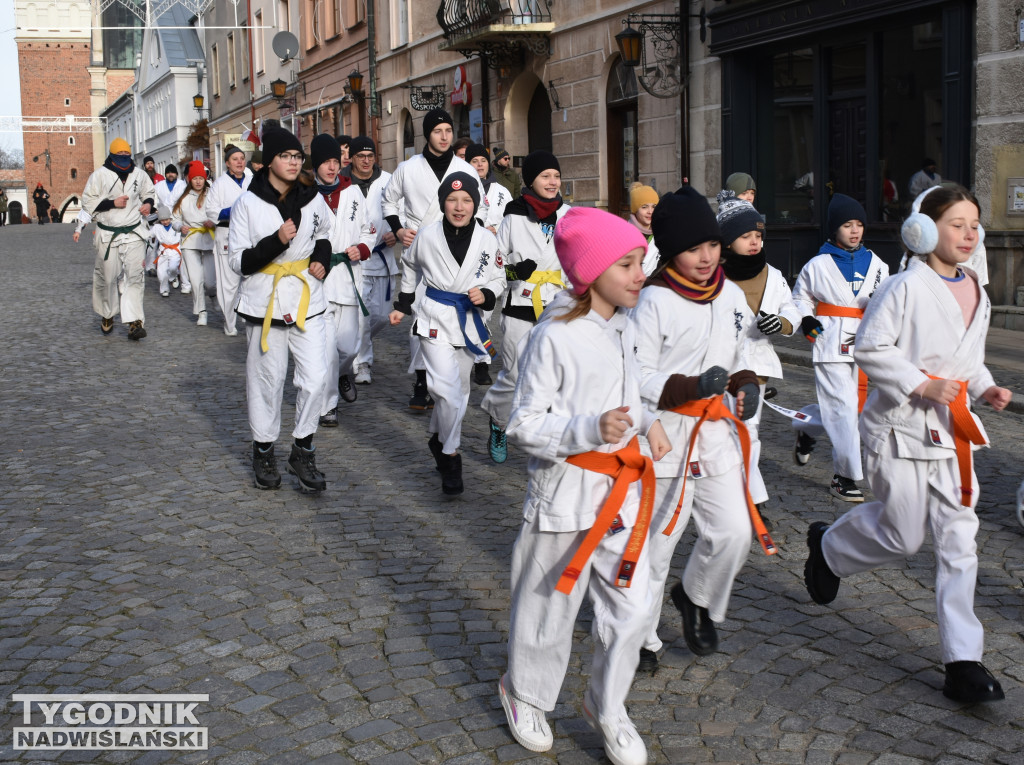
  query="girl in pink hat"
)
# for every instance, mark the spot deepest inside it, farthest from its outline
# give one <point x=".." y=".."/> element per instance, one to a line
<point x="577" y="411"/>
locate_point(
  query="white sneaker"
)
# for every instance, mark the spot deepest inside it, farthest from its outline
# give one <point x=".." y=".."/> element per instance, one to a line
<point x="622" y="743"/>
<point x="174" y="283"/>
<point x="186" y="291"/>
<point x="165" y="294"/>
<point x="363" y="376"/>
<point x="201" y="321"/>
<point x="526" y="722"/>
<point x="230" y="331"/>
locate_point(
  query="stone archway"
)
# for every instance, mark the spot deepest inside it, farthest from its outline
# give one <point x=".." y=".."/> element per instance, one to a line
<point x="517" y="113"/>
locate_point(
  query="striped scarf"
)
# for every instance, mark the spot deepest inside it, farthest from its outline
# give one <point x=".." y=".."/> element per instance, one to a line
<point x="691" y="291"/>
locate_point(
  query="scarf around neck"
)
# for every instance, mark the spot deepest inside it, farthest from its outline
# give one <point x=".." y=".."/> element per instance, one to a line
<point x="543" y="208"/>
<point x="645" y="231"/>
<point x="739" y="268"/>
<point x="691" y="291"/>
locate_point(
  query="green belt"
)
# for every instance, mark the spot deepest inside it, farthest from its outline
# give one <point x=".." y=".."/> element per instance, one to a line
<point x="117" y="231"/>
<point x="340" y="257"/>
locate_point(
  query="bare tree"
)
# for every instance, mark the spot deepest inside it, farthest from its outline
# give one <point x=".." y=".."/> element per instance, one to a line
<point x="11" y="159"/>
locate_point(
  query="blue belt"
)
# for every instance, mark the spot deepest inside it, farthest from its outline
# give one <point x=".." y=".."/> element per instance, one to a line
<point x="463" y="305"/>
<point x="380" y="251"/>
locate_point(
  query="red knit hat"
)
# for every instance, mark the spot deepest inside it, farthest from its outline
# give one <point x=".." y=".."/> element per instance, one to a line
<point x="195" y="167"/>
<point x="589" y="240"/>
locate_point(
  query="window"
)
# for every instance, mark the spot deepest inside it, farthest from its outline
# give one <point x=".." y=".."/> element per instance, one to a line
<point x="257" y="43"/>
<point x="334" y="22"/>
<point x="74" y="173"/>
<point x="71" y="140"/>
<point x="355" y="13"/>
<point x="399" y="22"/>
<point x="232" y="75"/>
<point x="793" y="137"/>
<point x="623" y="146"/>
<point x="122" y="36"/>
<point x="310" y="27"/>
<point x="67" y="102"/>
<point x="215" y="70"/>
<point x="284" y="19"/>
<point x="245" y="53"/>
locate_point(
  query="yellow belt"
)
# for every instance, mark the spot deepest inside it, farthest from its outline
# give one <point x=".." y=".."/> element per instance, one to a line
<point x="191" y="231"/>
<point x="539" y="278"/>
<point x="277" y="270"/>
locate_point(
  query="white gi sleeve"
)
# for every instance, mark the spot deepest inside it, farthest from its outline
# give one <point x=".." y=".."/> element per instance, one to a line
<point x="875" y="349"/>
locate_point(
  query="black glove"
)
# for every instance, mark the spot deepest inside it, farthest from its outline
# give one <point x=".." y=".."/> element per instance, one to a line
<point x="712" y="382"/>
<point x="404" y="302"/>
<point x="524" y="269"/>
<point x="811" y="328"/>
<point x="768" y="323"/>
<point x="751" y="394"/>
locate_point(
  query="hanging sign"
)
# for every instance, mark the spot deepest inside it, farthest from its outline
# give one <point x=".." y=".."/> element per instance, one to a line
<point x="463" y="92"/>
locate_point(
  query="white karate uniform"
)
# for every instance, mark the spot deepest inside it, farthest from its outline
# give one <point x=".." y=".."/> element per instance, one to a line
<point x="911" y="458"/>
<point x="165" y="195"/>
<point x="448" y="359"/>
<point x="253" y="219"/>
<point x="759" y="356"/>
<point x="570" y="374"/>
<point x="222" y="194"/>
<point x="380" y="273"/>
<point x="343" y="289"/>
<point x="121" y="252"/>
<point x="494" y="202"/>
<point x="521" y="237"/>
<point x="680" y="336"/>
<point x="196" y="249"/>
<point x="168" y="258"/>
<point x="411" y="193"/>
<point x="835" y="373"/>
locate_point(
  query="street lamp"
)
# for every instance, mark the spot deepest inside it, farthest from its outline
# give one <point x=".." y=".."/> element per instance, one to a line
<point x="630" y="43"/>
<point x="279" y="88"/>
<point x="197" y="102"/>
<point x="355" y="82"/>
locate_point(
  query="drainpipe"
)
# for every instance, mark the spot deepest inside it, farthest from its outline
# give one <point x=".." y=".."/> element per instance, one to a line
<point x="371" y="50"/>
<point x="252" y="80"/>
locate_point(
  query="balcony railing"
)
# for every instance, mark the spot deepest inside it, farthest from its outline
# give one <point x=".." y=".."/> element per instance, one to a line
<point x="463" y="18"/>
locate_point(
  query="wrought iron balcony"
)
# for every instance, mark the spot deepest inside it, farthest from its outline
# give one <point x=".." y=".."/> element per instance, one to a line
<point x="502" y="29"/>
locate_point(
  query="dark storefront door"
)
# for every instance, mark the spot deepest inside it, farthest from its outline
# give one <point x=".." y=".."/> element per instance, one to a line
<point x="847" y="151"/>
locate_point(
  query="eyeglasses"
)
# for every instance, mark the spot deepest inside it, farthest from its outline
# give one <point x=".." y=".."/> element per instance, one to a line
<point x="366" y="156"/>
<point x="292" y="157"/>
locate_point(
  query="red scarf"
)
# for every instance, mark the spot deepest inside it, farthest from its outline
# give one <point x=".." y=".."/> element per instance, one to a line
<point x="692" y="291"/>
<point x="543" y="207"/>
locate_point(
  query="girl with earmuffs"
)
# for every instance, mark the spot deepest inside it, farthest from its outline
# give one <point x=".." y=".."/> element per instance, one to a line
<point x="922" y="343"/>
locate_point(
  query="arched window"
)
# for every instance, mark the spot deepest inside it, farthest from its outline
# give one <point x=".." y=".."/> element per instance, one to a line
<point x="623" y="149"/>
<point x="71" y="140"/>
<point x="408" y="137"/>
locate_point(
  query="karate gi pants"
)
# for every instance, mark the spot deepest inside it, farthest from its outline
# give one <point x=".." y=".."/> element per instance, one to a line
<point x="227" y="279"/>
<point x="448" y="367"/>
<point x="836" y="385"/>
<point x="913" y="496"/>
<point x="199" y="267"/>
<point x="758" y="491"/>
<point x="341" y="341"/>
<point x="497" y="402"/>
<point x="168" y="265"/>
<point x="542" y="620"/>
<point x="126" y="255"/>
<point x="265" y="374"/>
<point x="722" y="522"/>
<point x="375" y="297"/>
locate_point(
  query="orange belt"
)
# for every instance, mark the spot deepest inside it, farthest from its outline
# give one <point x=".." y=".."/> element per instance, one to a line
<point x="175" y="247"/>
<point x="965" y="433"/>
<point x="626" y="466"/>
<point x="848" y="312"/>
<point x="714" y="409"/>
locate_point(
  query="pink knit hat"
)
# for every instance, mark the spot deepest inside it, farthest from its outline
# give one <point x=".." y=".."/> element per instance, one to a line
<point x="589" y="240"/>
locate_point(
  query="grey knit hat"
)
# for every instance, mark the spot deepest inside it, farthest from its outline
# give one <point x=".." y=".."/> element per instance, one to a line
<point x="736" y="217"/>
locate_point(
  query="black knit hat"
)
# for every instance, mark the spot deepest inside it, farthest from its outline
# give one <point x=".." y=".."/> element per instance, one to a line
<point x="841" y="209"/>
<point x="322" y="148"/>
<point x="361" y="143"/>
<point x="170" y="169"/>
<point x="277" y="141"/>
<point x="683" y="220"/>
<point x="345" y="140"/>
<point x="459" y="181"/>
<point x="435" y="117"/>
<point x="148" y="159"/>
<point x="476" y="150"/>
<point x="736" y="217"/>
<point x="537" y="162"/>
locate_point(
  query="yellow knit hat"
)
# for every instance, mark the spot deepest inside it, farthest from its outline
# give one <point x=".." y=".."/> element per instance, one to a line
<point x="640" y="195"/>
<point x="118" y="145"/>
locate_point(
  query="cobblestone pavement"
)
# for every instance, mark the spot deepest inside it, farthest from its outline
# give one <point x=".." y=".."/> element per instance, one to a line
<point x="368" y="624"/>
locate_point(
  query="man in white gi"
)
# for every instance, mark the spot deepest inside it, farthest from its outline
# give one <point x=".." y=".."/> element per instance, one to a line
<point x="119" y="196"/>
<point x="223" y="193"/>
<point x="415" y="182"/>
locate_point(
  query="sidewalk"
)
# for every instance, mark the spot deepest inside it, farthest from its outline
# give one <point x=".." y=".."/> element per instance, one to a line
<point x="1004" y="356"/>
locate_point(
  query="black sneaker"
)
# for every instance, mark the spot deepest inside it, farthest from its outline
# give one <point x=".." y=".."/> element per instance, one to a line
<point x="346" y="388"/>
<point x="264" y="468"/>
<point x="302" y="465"/>
<point x="803" y="448"/>
<point x="768" y="525"/>
<point x="970" y="683"/>
<point x="434" y="444"/>
<point x="136" y="331"/>
<point x="698" y="629"/>
<point x="329" y="420"/>
<point x="106" y="325"/>
<point x="648" y="662"/>
<point x="822" y="584"/>
<point x="450" y="466"/>
<point x="420" y="399"/>
<point x="481" y="373"/>
<point x="846" y="489"/>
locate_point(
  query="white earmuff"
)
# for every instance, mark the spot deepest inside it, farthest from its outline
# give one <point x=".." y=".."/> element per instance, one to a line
<point x="919" y="232"/>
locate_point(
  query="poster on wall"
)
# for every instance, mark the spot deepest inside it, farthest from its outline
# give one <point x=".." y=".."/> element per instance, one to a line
<point x="476" y="125"/>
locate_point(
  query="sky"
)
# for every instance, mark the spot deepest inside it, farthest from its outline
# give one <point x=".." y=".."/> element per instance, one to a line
<point x="10" y="88"/>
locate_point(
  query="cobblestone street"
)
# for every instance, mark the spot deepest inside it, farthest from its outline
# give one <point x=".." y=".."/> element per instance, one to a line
<point x="368" y="624"/>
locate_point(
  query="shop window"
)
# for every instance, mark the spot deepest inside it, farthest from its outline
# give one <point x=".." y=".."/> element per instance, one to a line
<point x="793" y="120"/>
<point x="623" y="149"/>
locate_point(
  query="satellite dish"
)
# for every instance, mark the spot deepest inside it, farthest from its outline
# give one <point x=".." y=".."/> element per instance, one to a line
<point x="285" y="45"/>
